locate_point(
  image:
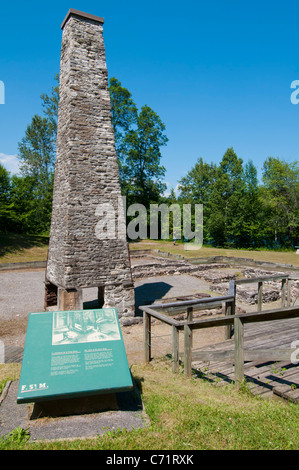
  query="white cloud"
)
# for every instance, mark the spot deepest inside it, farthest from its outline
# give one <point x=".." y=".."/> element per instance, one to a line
<point x="176" y="189"/>
<point x="169" y="188"/>
<point x="10" y="163"/>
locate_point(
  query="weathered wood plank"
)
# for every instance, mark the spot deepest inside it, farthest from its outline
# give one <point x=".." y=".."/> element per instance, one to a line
<point x="257" y="355"/>
<point x="13" y="354"/>
<point x="175" y="349"/>
<point x="287" y="393"/>
<point x="259" y="296"/>
<point x="186" y="303"/>
<point x="187" y="351"/>
<point x="260" y="279"/>
<point x="239" y="350"/>
<point x="161" y="316"/>
<point x="213" y="355"/>
<point x="146" y="337"/>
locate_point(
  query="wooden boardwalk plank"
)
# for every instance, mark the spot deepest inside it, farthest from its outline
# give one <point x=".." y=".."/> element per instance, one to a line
<point x="13" y="354"/>
<point x="262" y="378"/>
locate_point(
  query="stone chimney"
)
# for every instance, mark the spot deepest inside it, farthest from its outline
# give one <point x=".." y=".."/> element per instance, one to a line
<point x="82" y="251"/>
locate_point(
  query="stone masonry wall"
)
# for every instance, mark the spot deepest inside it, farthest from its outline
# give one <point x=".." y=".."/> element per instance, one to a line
<point x="86" y="172"/>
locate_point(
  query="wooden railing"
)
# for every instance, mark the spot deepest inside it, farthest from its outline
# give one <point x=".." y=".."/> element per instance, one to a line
<point x="285" y="288"/>
<point x="239" y="354"/>
<point x="173" y="308"/>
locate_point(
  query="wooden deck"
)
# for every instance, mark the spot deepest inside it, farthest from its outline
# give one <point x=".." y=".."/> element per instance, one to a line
<point x="264" y="379"/>
<point x="13" y="354"/>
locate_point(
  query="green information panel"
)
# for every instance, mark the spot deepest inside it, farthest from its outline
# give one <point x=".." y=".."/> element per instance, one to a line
<point x="73" y="353"/>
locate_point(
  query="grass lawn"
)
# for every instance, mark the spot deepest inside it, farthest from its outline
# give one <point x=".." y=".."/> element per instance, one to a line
<point x="284" y="257"/>
<point x="16" y="248"/>
<point x="188" y="415"/>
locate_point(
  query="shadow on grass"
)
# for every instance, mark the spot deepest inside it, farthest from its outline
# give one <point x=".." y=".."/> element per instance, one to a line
<point x="12" y="243"/>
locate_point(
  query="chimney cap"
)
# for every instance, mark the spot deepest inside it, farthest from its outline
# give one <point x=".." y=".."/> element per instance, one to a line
<point x="81" y="14"/>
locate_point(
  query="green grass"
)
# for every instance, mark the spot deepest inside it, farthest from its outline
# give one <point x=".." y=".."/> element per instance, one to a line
<point x="8" y="372"/>
<point x="190" y="415"/>
<point x="283" y="257"/>
<point x="15" y="248"/>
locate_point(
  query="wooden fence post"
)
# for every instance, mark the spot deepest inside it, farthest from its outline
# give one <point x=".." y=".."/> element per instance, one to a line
<point x="229" y="308"/>
<point x="239" y="350"/>
<point x="289" y="292"/>
<point x="190" y="318"/>
<point x="187" y="351"/>
<point x="147" y="336"/>
<point x="259" y="296"/>
<point x="175" y="349"/>
<point x="283" y="292"/>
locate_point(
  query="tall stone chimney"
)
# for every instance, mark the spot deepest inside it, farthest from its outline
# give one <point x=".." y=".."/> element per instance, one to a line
<point x="86" y="186"/>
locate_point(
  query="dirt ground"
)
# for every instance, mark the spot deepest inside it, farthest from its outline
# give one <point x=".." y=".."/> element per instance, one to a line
<point x="161" y="340"/>
<point x="22" y="292"/>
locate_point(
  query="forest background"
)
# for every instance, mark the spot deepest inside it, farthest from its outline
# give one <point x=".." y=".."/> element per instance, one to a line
<point x="239" y="211"/>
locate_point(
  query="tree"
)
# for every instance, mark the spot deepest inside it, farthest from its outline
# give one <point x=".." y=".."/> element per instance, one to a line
<point x="197" y="187"/>
<point x="142" y="172"/>
<point x="280" y="196"/>
<point x="230" y="197"/>
<point x="36" y="151"/>
<point x="50" y="107"/>
<point x="5" y="222"/>
<point x="123" y="112"/>
<point x="26" y="214"/>
<point x="123" y="118"/>
<point x="138" y="138"/>
<point x="227" y="214"/>
<point x="253" y="226"/>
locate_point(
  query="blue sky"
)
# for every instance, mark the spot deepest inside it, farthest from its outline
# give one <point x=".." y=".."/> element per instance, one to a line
<point x="218" y="73"/>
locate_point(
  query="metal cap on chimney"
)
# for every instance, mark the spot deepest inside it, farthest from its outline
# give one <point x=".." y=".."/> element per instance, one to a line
<point x="81" y="14"/>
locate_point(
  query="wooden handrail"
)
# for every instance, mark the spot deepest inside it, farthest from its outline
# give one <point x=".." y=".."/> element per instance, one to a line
<point x="261" y="279"/>
<point x="188" y="306"/>
<point x="187" y="303"/>
<point x="238" y="321"/>
<point x="285" y="287"/>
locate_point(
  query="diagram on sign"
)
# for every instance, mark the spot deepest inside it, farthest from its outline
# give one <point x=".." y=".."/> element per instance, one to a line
<point x="84" y="326"/>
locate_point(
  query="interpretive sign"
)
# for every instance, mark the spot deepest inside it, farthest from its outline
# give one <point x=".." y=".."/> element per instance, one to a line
<point x="73" y="353"/>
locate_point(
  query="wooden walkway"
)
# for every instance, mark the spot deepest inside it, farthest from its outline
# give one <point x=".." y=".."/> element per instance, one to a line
<point x="264" y="379"/>
<point x="13" y="354"/>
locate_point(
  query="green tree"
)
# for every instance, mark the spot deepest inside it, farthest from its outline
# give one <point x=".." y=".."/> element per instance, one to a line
<point x="123" y="112"/>
<point x="36" y="151"/>
<point x="50" y="107"/>
<point x="197" y="187"/>
<point x="252" y="226"/>
<point x="37" y="154"/>
<point x="142" y="171"/>
<point x="5" y="219"/>
<point x="138" y="138"/>
<point x="226" y="201"/>
<point x="123" y="118"/>
<point x="24" y="209"/>
<point x="280" y="196"/>
<point x="31" y="193"/>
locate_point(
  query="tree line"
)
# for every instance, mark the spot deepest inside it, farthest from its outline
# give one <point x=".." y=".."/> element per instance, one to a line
<point x="238" y="210"/>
